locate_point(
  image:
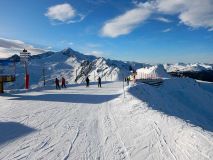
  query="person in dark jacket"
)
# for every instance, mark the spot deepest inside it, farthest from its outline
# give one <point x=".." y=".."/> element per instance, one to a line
<point x="63" y="82"/>
<point x="99" y="82"/>
<point x="127" y="80"/>
<point x="87" y="81"/>
<point x="57" y="84"/>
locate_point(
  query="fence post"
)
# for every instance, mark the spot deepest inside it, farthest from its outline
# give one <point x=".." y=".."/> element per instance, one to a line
<point x="123" y="85"/>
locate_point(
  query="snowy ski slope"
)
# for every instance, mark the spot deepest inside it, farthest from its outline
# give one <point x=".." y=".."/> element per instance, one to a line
<point x="172" y="122"/>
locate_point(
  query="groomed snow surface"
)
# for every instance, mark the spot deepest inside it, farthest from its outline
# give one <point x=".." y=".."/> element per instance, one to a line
<point x="173" y="121"/>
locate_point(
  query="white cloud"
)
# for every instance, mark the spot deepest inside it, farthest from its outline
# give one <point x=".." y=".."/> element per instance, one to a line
<point x="170" y="6"/>
<point x="3" y="52"/>
<point x="8" y="47"/>
<point x="167" y="30"/>
<point x="70" y="43"/>
<point x="126" y="22"/>
<point x="64" y="13"/>
<point x="195" y="14"/>
<point x="162" y="19"/>
<point x="61" y="12"/>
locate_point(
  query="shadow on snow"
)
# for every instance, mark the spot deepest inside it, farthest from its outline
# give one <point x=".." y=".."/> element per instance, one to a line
<point x="189" y="107"/>
<point x="70" y="98"/>
<point x="12" y="130"/>
<point x="52" y="87"/>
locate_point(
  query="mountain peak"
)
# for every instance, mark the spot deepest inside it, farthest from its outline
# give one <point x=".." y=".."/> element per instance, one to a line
<point x="68" y="50"/>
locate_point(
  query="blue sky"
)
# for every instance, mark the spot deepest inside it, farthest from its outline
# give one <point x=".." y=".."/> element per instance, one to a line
<point x="154" y="31"/>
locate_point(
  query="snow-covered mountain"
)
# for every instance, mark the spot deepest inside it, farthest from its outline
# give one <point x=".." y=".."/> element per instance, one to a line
<point x="73" y="66"/>
<point x="183" y="67"/>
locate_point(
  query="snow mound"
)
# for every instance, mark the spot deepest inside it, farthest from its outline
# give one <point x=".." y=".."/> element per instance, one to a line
<point x="158" y="71"/>
<point x="183" y="98"/>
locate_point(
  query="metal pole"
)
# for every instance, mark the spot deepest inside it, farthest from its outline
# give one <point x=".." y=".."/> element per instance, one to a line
<point x="26" y="76"/>
<point x="25" y="67"/>
<point x="76" y="75"/>
<point x="44" y="75"/>
<point x="123" y="85"/>
<point x="14" y="73"/>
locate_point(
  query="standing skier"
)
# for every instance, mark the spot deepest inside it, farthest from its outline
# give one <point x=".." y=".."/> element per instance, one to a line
<point x="63" y="85"/>
<point x="127" y="80"/>
<point x="99" y="82"/>
<point x="87" y="81"/>
<point x="57" y="84"/>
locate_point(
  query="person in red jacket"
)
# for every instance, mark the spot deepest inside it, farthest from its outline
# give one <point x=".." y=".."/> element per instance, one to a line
<point x="63" y="82"/>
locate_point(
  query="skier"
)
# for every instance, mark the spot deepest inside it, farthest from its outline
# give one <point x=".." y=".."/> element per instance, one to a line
<point x="134" y="78"/>
<point x="57" y="84"/>
<point x="127" y="80"/>
<point x="87" y="81"/>
<point x="63" y="83"/>
<point x="99" y="82"/>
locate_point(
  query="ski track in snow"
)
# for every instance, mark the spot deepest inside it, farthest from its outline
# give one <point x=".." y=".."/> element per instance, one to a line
<point x="110" y="128"/>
